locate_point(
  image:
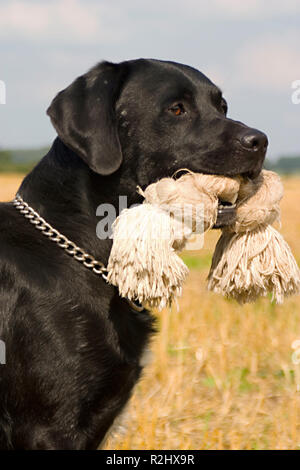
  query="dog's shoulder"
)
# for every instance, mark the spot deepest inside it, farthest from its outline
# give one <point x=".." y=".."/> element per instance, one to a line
<point x="26" y="257"/>
<point x="8" y="215"/>
<point x="11" y="228"/>
<point x="16" y="233"/>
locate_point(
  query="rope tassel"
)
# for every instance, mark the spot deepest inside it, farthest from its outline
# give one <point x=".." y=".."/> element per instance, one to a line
<point x="143" y="263"/>
<point x="251" y="258"/>
<point x="248" y="265"/>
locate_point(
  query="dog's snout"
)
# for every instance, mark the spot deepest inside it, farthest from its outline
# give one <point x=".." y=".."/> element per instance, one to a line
<point x="254" y="140"/>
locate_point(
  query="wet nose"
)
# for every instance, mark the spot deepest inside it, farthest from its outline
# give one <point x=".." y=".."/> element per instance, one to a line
<point x="254" y="140"/>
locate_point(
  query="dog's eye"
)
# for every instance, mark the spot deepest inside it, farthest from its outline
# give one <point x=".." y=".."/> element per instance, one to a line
<point x="177" y="109"/>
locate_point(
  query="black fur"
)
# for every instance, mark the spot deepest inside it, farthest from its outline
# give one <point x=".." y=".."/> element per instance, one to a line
<point x="73" y="345"/>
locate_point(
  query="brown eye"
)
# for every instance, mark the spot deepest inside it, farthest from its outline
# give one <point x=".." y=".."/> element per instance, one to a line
<point x="177" y="109"/>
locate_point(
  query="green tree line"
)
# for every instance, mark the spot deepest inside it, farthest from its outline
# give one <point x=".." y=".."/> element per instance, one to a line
<point x="22" y="161"/>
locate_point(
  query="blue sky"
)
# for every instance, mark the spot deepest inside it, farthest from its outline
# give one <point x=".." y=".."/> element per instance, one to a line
<point x="251" y="48"/>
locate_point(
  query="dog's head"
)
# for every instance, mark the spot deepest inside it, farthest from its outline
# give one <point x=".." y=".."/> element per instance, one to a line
<point x="154" y="117"/>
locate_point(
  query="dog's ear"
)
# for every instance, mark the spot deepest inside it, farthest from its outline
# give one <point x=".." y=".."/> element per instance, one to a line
<point x="84" y="116"/>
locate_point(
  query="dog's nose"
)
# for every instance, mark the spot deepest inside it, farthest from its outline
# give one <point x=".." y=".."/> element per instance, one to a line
<point x="254" y="140"/>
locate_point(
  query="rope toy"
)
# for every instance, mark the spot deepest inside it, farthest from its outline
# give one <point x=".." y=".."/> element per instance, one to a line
<point x="251" y="258"/>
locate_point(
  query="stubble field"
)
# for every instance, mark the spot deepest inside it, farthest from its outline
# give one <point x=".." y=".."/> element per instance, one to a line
<point x="221" y="375"/>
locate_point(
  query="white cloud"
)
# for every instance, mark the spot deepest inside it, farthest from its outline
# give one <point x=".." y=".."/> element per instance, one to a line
<point x="68" y="20"/>
<point x="270" y="63"/>
<point x="228" y="9"/>
<point x="86" y="21"/>
<point x="258" y="9"/>
<point x="266" y="63"/>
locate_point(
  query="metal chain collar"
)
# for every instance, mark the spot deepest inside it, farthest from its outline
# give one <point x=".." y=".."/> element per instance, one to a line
<point x="55" y="236"/>
<point x="63" y="242"/>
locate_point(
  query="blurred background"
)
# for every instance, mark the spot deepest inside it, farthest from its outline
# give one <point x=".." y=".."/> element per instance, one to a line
<point x="222" y="376"/>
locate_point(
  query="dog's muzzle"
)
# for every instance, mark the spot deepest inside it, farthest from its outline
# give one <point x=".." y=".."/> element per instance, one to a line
<point x="226" y="214"/>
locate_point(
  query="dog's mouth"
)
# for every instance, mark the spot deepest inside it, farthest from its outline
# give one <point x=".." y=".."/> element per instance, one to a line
<point x="226" y="214"/>
<point x="227" y="209"/>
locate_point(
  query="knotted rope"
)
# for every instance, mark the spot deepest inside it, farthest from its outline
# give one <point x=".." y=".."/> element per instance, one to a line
<point x="251" y="258"/>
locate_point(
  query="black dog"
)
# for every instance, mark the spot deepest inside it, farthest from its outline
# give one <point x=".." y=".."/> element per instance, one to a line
<point x="73" y="346"/>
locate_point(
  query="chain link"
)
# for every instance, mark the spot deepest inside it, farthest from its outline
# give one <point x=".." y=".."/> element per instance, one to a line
<point x="54" y="235"/>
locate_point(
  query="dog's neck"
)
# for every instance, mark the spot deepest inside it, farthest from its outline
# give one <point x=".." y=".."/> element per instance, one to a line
<point x="66" y="193"/>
